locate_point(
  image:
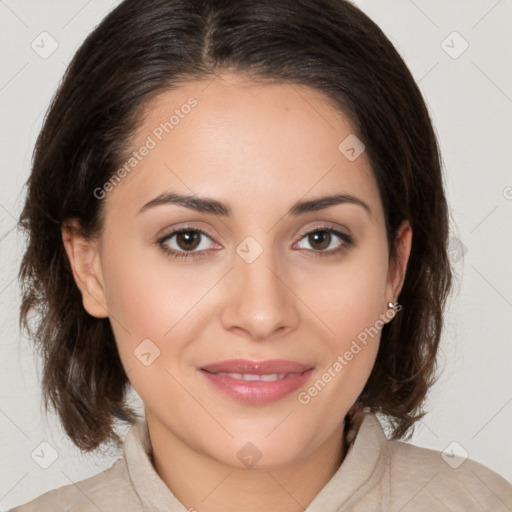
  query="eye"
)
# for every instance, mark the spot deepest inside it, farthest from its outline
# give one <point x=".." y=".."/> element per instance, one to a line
<point x="188" y="242"/>
<point x="322" y="239"/>
<point x="185" y="243"/>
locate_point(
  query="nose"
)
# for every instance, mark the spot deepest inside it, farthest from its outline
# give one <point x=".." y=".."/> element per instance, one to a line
<point x="261" y="302"/>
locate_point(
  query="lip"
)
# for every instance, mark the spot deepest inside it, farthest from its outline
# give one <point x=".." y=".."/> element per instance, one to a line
<point x="256" y="391"/>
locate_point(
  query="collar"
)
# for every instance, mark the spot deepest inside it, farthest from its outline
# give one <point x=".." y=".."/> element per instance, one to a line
<point x="363" y="467"/>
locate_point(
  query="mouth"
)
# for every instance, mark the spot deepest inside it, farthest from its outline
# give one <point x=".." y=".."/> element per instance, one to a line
<point x="256" y="382"/>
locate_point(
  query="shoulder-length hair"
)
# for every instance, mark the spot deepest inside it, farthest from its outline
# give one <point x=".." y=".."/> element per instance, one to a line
<point x="144" y="48"/>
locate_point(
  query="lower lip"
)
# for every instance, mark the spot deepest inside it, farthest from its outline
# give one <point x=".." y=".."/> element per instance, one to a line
<point x="257" y="391"/>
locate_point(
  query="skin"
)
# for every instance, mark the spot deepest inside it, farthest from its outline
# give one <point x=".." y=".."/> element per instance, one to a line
<point x="258" y="148"/>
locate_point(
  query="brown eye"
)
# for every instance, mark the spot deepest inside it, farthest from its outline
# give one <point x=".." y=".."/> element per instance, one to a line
<point x="188" y="240"/>
<point x="322" y="241"/>
<point x="319" y="240"/>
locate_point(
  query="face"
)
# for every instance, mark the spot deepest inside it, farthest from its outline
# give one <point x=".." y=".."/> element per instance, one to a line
<point x="246" y="317"/>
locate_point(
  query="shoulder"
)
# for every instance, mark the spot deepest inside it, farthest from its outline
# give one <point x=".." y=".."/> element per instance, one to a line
<point x="109" y="490"/>
<point x="423" y="477"/>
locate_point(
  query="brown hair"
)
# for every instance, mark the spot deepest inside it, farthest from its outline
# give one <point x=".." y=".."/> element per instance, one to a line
<point x="144" y="48"/>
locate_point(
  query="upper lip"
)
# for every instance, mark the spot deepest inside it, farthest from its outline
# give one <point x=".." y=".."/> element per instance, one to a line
<point x="246" y="366"/>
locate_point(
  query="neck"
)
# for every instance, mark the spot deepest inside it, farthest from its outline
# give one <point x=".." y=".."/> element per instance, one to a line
<point x="203" y="484"/>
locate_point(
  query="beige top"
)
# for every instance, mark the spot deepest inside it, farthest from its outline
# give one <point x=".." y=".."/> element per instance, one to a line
<point x="376" y="475"/>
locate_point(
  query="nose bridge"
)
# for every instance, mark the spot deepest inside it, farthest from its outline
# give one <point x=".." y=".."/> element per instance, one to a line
<point x="259" y="301"/>
<point x="258" y="272"/>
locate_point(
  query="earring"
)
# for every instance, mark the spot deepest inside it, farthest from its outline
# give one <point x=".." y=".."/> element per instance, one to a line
<point x="393" y="306"/>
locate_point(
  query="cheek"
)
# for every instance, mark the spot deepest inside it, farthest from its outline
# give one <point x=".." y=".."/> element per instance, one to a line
<point x="349" y="297"/>
<point x="155" y="311"/>
<point x="145" y="293"/>
<point x="142" y="306"/>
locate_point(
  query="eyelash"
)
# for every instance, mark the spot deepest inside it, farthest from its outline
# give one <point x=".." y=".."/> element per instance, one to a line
<point x="347" y="242"/>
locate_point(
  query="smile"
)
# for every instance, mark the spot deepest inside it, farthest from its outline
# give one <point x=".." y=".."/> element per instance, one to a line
<point x="248" y="376"/>
<point x="256" y="382"/>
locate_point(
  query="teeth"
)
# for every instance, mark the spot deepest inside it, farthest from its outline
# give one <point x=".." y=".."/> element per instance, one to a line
<point x="249" y="376"/>
<point x="273" y="376"/>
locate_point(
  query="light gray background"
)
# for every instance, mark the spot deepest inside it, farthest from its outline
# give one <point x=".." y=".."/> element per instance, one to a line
<point x="470" y="102"/>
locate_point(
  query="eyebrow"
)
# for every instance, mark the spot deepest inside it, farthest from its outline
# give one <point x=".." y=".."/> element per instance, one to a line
<point x="209" y="205"/>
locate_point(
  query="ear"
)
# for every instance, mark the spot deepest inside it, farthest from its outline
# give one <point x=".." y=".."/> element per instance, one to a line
<point x="398" y="264"/>
<point x="85" y="263"/>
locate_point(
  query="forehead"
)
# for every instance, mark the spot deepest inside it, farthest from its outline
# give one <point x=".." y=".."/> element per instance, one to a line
<point x="242" y="141"/>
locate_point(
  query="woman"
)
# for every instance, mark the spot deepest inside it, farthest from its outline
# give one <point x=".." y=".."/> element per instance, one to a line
<point x="237" y="208"/>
